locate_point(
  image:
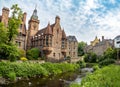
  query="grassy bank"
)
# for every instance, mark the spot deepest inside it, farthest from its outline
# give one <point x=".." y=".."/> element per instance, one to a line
<point x="14" y="69"/>
<point x="108" y="76"/>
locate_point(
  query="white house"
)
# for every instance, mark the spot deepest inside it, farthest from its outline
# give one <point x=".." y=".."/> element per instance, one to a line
<point x="117" y="41"/>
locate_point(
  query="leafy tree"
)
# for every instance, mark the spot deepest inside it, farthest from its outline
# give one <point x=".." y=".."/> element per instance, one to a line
<point x="3" y="34"/>
<point x="14" y="22"/>
<point x="81" y="46"/>
<point x="10" y="52"/>
<point x="8" y="49"/>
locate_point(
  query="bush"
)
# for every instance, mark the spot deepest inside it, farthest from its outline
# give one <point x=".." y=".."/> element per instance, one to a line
<point x="82" y="64"/>
<point x="9" y="52"/>
<point x="23" y="59"/>
<point x="27" y="69"/>
<point x="105" y="77"/>
<point x="90" y="57"/>
<point x="22" y="53"/>
<point x="95" y="67"/>
<point x="106" y="62"/>
<point x="12" y="76"/>
<point x="33" y="53"/>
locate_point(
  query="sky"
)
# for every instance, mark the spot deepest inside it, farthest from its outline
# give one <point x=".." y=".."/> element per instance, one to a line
<point x="85" y="19"/>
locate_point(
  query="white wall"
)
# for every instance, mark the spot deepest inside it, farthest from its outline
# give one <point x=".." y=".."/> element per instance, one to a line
<point x="117" y="45"/>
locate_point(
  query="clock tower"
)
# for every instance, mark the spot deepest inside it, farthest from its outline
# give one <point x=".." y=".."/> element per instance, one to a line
<point x="32" y="28"/>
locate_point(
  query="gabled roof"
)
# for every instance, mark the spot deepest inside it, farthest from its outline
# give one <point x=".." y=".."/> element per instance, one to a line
<point x="42" y="31"/>
<point x="71" y="38"/>
<point x="48" y="30"/>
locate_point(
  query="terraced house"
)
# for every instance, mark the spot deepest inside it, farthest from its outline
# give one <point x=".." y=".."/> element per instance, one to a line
<point x="51" y="40"/>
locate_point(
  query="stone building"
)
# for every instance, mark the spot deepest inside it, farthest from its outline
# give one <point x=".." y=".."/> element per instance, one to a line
<point x="21" y="38"/>
<point x="101" y="47"/>
<point x="72" y="47"/>
<point x="51" y="40"/>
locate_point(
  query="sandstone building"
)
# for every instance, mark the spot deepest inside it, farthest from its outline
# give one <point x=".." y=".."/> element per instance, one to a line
<point x="99" y="47"/>
<point x="72" y="46"/>
<point x="51" y="40"/>
<point x="21" y="39"/>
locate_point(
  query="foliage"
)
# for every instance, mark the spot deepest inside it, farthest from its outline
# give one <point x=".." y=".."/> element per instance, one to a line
<point x="12" y="76"/>
<point x="81" y="46"/>
<point x="8" y="49"/>
<point x="82" y="64"/>
<point x="22" y="53"/>
<point x="33" y="53"/>
<point x="108" y="58"/>
<point x="90" y="57"/>
<point x="96" y="67"/>
<point x="14" y="22"/>
<point x="3" y="34"/>
<point x="23" y="59"/>
<point x="9" y="52"/>
<point x="105" y="77"/>
<point x="106" y="62"/>
<point x="27" y="69"/>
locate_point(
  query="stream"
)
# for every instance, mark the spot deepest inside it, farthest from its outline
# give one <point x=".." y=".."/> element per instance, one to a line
<point x="63" y="80"/>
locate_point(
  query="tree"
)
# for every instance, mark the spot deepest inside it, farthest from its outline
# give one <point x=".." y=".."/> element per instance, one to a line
<point x="81" y="46"/>
<point x="14" y="22"/>
<point x="8" y="49"/>
<point x="3" y="35"/>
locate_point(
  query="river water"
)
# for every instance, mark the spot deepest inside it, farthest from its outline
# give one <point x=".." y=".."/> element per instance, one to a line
<point x="63" y="80"/>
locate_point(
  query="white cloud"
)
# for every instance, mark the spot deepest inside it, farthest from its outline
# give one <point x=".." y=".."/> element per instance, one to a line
<point x="82" y="20"/>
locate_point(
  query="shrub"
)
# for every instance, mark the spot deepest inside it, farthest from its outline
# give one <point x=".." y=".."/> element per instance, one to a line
<point x="106" y="62"/>
<point x="23" y="59"/>
<point x="9" y="52"/>
<point x="82" y="64"/>
<point x="105" y="77"/>
<point x="90" y="57"/>
<point x="12" y="76"/>
<point x="33" y="53"/>
<point x="95" y="67"/>
<point x="22" y="53"/>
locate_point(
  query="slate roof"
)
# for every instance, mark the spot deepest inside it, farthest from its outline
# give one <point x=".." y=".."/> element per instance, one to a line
<point x="71" y="38"/>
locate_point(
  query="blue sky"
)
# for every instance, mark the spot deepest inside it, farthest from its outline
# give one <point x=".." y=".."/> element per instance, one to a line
<point x="83" y="18"/>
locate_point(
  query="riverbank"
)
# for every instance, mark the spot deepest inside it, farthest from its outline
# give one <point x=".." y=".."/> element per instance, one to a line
<point x="107" y="76"/>
<point x="13" y="71"/>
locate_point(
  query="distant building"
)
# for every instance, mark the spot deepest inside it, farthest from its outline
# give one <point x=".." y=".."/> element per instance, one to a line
<point x="72" y="47"/>
<point x="21" y="38"/>
<point x="117" y="41"/>
<point x="100" y="47"/>
<point x="95" y="41"/>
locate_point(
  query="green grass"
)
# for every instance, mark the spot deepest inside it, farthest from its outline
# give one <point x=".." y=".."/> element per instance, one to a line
<point x="108" y="76"/>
